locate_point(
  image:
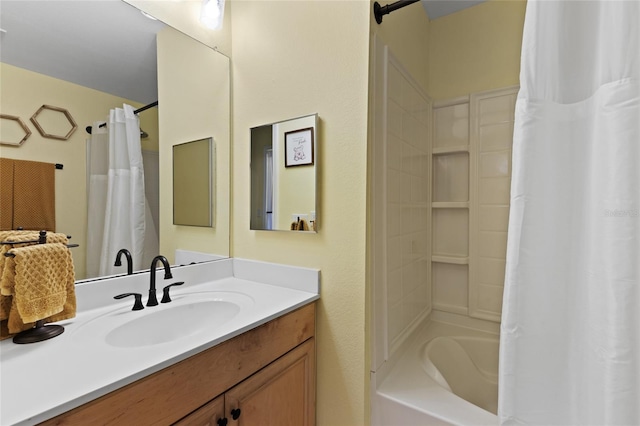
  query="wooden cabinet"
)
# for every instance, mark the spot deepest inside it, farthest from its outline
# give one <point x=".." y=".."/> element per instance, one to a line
<point x="268" y="373"/>
<point x="279" y="394"/>
<point x="212" y="414"/>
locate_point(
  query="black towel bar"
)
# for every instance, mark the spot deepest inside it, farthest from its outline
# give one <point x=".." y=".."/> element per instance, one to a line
<point x="9" y="254"/>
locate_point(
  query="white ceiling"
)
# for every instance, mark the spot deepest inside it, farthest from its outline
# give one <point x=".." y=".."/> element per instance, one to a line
<point x="105" y="45"/>
<point x="438" y="8"/>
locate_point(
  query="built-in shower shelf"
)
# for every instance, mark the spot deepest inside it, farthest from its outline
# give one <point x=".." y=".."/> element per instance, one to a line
<point x="450" y="205"/>
<point x="456" y="260"/>
<point x="449" y="149"/>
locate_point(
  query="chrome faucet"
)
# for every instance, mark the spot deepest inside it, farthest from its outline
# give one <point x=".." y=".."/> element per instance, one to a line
<point x="153" y="301"/>
<point x="127" y="254"/>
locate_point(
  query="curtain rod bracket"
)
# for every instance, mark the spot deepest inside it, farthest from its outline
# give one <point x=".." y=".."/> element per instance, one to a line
<point x="380" y="11"/>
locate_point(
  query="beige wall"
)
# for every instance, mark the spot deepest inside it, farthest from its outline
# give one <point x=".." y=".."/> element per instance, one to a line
<point x="291" y="59"/>
<point x="193" y="96"/>
<point x="23" y="92"/>
<point x="406" y="33"/>
<point x="476" y="49"/>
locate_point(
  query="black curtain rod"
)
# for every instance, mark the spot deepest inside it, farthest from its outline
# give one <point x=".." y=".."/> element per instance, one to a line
<point x="380" y="11"/>
<point x="146" y="107"/>
<point x="139" y="110"/>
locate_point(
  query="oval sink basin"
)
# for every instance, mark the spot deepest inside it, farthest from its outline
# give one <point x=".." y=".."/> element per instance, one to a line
<point x="172" y="323"/>
<point x="191" y="317"/>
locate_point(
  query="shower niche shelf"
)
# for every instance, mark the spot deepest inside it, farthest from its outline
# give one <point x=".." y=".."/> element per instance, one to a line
<point x="450" y="214"/>
<point x="450" y="150"/>
<point x="454" y="260"/>
<point x="450" y="233"/>
<point x="450" y="205"/>
<point x="451" y="177"/>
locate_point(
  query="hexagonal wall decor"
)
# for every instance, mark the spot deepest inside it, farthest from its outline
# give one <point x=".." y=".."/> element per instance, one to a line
<point x="14" y="130"/>
<point x="56" y="123"/>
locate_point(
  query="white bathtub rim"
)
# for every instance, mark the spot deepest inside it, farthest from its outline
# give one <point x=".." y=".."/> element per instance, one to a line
<point x="432" y="370"/>
<point x="434" y="401"/>
<point x="420" y="392"/>
<point x="451" y="413"/>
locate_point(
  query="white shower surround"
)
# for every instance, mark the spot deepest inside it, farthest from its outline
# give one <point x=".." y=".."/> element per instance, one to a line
<point x="399" y="394"/>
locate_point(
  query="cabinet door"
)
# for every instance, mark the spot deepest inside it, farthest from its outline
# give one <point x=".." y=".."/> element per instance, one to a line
<point x="282" y="393"/>
<point x="208" y="415"/>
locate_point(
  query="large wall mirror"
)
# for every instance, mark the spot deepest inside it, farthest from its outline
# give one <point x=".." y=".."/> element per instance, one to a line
<point x="90" y="57"/>
<point x="284" y="163"/>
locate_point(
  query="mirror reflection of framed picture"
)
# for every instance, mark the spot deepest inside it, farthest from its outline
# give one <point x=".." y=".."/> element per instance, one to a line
<point x="298" y="147"/>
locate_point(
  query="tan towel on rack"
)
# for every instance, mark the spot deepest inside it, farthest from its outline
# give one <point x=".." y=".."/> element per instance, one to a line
<point x="9" y="317"/>
<point x="6" y="194"/>
<point x="11" y="321"/>
<point x="44" y="283"/>
<point x="5" y="313"/>
<point x="7" y="264"/>
<point x="34" y="200"/>
<point x="5" y="307"/>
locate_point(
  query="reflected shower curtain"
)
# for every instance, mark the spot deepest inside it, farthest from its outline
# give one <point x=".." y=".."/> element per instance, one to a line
<point x="116" y="217"/>
<point x="570" y="333"/>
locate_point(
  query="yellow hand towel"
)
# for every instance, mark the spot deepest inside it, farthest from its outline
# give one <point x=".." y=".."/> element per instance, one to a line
<point x="7" y="265"/>
<point x="14" y="324"/>
<point x="5" y="307"/>
<point x="44" y="273"/>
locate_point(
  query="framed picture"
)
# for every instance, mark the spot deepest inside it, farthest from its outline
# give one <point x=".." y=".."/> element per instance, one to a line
<point x="298" y="147"/>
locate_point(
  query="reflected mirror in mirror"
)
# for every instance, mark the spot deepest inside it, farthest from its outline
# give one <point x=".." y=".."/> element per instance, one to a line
<point x="284" y="175"/>
<point x="90" y="57"/>
<point x="192" y="183"/>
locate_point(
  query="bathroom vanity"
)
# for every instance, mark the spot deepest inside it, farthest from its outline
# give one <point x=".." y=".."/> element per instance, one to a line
<point x="254" y="363"/>
<point x="263" y="376"/>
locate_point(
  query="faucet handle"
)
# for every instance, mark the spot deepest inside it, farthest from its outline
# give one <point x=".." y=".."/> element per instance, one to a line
<point x="165" y="292"/>
<point x="138" y="303"/>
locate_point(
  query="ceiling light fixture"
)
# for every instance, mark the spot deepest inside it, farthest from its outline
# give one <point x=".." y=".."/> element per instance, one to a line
<point x="212" y="14"/>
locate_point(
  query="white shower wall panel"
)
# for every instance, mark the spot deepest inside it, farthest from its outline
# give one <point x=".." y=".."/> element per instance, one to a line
<point x="491" y="136"/>
<point x="407" y="167"/>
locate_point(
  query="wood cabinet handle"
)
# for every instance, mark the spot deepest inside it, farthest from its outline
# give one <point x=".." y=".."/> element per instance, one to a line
<point x="223" y="421"/>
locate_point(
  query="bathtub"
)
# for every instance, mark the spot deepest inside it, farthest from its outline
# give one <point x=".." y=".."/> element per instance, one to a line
<point x="447" y="375"/>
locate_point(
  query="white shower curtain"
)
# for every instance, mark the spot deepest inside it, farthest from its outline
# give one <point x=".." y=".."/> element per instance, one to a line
<point x="116" y="193"/>
<point x="570" y="334"/>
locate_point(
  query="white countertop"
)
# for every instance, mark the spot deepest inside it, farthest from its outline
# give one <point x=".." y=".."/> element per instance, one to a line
<point x="42" y="380"/>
